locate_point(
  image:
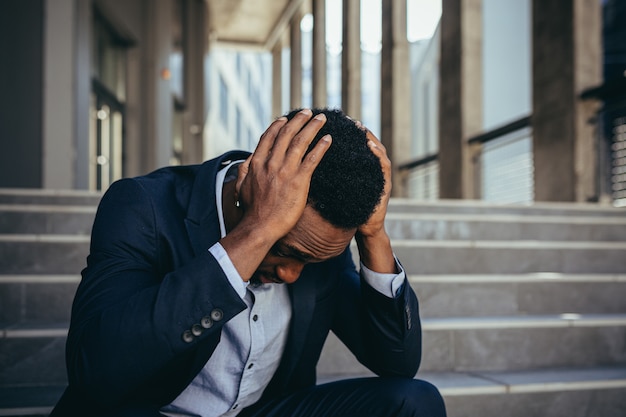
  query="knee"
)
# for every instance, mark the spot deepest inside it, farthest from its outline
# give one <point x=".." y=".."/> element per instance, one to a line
<point x="420" y="398"/>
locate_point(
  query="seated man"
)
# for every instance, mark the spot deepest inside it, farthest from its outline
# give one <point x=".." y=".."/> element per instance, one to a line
<point x="210" y="289"/>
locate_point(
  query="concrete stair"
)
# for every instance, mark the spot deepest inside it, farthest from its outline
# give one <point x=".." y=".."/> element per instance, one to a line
<point x="523" y="307"/>
<point x="44" y="240"/>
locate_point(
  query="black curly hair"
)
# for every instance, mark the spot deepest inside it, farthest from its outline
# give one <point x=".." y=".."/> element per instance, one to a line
<point x="348" y="183"/>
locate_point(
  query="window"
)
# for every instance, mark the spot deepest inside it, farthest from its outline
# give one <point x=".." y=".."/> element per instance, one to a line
<point x="106" y="138"/>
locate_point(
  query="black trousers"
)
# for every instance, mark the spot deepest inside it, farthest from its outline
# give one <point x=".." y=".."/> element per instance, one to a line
<point x="363" y="397"/>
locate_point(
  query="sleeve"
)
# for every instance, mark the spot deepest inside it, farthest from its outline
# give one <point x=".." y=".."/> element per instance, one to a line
<point x="220" y="254"/>
<point x="383" y="333"/>
<point x="387" y="284"/>
<point x="138" y="315"/>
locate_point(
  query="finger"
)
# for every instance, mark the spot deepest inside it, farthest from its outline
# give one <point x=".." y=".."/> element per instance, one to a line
<point x="379" y="151"/>
<point x="300" y="144"/>
<point x="289" y="131"/>
<point x="313" y="158"/>
<point x="242" y="172"/>
<point x="268" y="138"/>
<point x="372" y="137"/>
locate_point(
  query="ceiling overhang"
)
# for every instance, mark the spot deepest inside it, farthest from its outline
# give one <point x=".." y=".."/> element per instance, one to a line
<point x="250" y="24"/>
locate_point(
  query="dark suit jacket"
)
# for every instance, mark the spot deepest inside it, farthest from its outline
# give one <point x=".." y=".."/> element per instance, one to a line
<point x="150" y="278"/>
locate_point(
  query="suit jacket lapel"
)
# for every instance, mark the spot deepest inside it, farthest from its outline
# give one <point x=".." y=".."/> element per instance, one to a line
<point x="203" y="228"/>
<point x="201" y="222"/>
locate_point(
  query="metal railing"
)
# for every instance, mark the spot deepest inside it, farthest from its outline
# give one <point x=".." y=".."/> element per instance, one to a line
<point x="610" y="123"/>
<point x="506" y="163"/>
<point x="504" y="166"/>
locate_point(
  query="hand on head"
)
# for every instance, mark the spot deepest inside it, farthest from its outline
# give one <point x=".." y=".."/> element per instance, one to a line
<point x="273" y="183"/>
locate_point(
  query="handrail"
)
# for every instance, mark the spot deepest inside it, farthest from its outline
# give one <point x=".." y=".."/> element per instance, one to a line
<point x="419" y="162"/>
<point x="481" y="138"/>
<point x="500" y="131"/>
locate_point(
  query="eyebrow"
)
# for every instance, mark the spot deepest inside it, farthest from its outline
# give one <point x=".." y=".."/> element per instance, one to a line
<point x="288" y="250"/>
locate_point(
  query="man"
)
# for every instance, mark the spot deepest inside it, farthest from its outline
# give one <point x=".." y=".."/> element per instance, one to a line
<point x="210" y="290"/>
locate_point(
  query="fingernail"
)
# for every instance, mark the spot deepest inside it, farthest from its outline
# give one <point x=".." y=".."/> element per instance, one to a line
<point x="281" y="119"/>
<point x="326" y="138"/>
<point x="320" y="116"/>
<point x="308" y="112"/>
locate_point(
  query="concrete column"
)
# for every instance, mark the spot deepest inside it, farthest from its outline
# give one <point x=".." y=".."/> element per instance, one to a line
<point x="566" y="60"/>
<point x="82" y="90"/>
<point x="59" y="156"/>
<point x="395" y="95"/>
<point x="295" y="77"/>
<point x="460" y="97"/>
<point x="23" y="33"/>
<point x="320" y="94"/>
<point x="351" y="59"/>
<point x="157" y="96"/>
<point x="196" y="35"/>
<point x="277" y="85"/>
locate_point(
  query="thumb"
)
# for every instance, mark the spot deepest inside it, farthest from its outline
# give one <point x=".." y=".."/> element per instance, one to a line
<point x="242" y="172"/>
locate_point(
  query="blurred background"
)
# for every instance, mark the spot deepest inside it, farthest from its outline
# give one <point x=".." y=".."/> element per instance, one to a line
<point x="499" y="100"/>
<point x="505" y="121"/>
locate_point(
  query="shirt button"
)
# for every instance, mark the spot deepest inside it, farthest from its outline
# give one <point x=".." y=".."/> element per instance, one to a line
<point x="255" y="317"/>
<point x="196" y="330"/>
<point x="217" y="314"/>
<point x="206" y="322"/>
<point x="187" y="336"/>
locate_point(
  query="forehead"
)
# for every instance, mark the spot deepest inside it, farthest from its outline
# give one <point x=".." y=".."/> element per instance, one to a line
<point x="316" y="238"/>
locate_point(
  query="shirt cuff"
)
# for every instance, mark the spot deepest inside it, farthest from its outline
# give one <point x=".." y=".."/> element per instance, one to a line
<point x="386" y="284"/>
<point x="238" y="284"/>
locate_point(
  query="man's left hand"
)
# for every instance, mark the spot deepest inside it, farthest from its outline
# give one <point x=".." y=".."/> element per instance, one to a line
<point x="374" y="245"/>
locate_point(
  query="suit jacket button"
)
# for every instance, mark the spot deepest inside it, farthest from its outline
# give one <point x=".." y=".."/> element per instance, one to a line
<point x="187" y="336"/>
<point x="206" y="322"/>
<point x="217" y="314"/>
<point x="196" y="330"/>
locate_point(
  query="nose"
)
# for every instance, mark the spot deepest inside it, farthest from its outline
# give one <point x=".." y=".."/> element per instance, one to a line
<point x="290" y="272"/>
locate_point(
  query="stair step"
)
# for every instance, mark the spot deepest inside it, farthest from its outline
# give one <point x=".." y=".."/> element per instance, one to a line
<point x="49" y="219"/>
<point x="43" y="254"/>
<point x="505" y="343"/>
<point x="494" y="257"/>
<point x="515" y="382"/>
<point x="46" y="196"/>
<point x="33" y="361"/>
<point x="22" y="296"/>
<point x="436" y="226"/>
<point x="518" y="294"/>
<point x="33" y="354"/>
<point x="442" y="207"/>
<point x="63" y="219"/>
<point x="32" y="298"/>
<point x="37" y="400"/>
<point x="517" y="343"/>
<point x="549" y="392"/>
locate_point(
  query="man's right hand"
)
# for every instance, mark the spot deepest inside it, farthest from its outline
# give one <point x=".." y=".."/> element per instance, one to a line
<point x="273" y="186"/>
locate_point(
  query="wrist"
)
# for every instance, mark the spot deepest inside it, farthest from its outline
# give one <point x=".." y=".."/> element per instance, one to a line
<point x="247" y="245"/>
<point x="375" y="252"/>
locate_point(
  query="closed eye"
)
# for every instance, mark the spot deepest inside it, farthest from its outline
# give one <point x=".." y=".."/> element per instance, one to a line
<point x="283" y="251"/>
